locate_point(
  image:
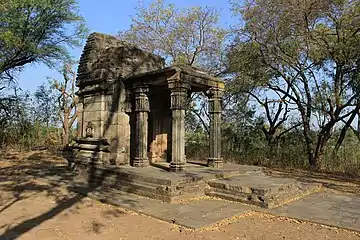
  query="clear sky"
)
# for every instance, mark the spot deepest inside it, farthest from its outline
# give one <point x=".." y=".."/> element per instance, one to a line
<point x="110" y="16"/>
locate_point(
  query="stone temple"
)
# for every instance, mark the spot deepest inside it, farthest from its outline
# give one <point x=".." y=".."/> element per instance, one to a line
<point x="131" y="132"/>
<point x="132" y="109"/>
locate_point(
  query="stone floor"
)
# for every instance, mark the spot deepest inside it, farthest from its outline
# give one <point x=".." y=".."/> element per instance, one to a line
<point x="194" y="214"/>
<point x="324" y="207"/>
<point x="328" y="208"/>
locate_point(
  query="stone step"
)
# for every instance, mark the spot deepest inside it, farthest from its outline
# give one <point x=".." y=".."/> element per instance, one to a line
<point x="259" y="189"/>
<point x="166" y="193"/>
<point x="235" y="198"/>
<point x="147" y="175"/>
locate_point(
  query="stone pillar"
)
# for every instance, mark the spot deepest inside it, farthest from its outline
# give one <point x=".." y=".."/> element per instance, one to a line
<point x="215" y="96"/>
<point x="141" y="126"/>
<point x="178" y="106"/>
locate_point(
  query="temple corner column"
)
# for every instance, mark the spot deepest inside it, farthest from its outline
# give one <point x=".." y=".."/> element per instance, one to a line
<point x="141" y="126"/>
<point x="179" y="93"/>
<point x="214" y="98"/>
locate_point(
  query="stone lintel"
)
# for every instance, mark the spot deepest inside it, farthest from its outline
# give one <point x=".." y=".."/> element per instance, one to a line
<point x="176" y="74"/>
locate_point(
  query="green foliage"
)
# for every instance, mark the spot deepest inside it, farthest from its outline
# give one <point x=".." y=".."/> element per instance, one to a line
<point x="37" y="31"/>
<point x="182" y="36"/>
<point x="197" y="145"/>
<point x="47" y="110"/>
<point x="25" y="122"/>
<point x="308" y="55"/>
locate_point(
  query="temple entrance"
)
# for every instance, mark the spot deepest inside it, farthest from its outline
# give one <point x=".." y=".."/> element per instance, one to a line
<point x="159" y="100"/>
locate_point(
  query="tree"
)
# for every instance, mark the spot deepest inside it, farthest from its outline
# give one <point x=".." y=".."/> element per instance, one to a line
<point x="309" y="47"/>
<point x="67" y="101"/>
<point x="33" y="31"/>
<point x="182" y="36"/>
<point x="15" y="117"/>
<point x="46" y="105"/>
<point x="190" y="36"/>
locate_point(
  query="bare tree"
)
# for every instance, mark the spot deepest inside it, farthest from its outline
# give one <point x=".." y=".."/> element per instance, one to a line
<point x="67" y="101"/>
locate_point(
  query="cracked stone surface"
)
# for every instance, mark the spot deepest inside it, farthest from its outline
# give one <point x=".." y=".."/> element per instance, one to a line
<point x="334" y="209"/>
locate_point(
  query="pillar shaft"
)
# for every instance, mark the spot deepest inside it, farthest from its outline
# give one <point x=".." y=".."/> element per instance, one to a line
<point x="215" y="159"/>
<point x="178" y="106"/>
<point x="141" y="127"/>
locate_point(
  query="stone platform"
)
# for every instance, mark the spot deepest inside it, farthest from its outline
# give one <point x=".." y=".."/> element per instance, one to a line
<point x="246" y="184"/>
<point x="259" y="189"/>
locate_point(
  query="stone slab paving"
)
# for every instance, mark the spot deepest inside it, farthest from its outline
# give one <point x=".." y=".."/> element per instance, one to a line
<point x="195" y="214"/>
<point x="325" y="207"/>
<point x="329" y="208"/>
<point x="333" y="209"/>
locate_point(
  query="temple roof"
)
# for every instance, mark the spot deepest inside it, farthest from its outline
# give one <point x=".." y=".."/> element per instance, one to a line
<point x="198" y="79"/>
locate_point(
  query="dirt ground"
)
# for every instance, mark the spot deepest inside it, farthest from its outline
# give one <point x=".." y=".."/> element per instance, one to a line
<point x="32" y="208"/>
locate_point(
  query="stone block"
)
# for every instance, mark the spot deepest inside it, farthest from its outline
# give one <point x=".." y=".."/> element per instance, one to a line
<point x="94" y="107"/>
<point x="92" y="99"/>
<point x="93" y="116"/>
<point x="106" y="58"/>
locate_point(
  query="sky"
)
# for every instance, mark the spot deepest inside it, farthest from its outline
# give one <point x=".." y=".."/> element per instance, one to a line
<point x="110" y="17"/>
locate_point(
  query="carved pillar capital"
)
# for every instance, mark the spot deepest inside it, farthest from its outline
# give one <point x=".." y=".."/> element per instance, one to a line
<point x="215" y="96"/>
<point x="141" y="98"/>
<point x="179" y="94"/>
<point x="215" y="93"/>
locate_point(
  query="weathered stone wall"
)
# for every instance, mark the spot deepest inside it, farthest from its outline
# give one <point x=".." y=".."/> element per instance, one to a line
<point x="160" y="127"/>
<point x="104" y="63"/>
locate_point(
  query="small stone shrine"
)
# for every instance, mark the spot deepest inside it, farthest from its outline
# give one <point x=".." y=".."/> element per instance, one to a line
<point x="132" y="109"/>
<point x="131" y="126"/>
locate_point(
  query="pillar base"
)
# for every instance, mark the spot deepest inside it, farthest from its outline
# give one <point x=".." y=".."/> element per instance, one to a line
<point x="215" y="162"/>
<point x="177" y="167"/>
<point x="141" y="162"/>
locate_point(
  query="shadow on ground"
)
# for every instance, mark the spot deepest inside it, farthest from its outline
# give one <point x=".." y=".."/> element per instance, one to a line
<point x="22" y="177"/>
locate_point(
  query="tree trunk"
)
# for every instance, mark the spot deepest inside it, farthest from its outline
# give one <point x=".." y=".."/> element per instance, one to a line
<point x="320" y="148"/>
<point x="323" y="137"/>
<point x="344" y="130"/>
<point x="65" y="136"/>
<point x="308" y="139"/>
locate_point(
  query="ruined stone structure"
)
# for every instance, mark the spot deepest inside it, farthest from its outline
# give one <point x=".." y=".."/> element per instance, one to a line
<point x="132" y="109"/>
<point x="132" y="112"/>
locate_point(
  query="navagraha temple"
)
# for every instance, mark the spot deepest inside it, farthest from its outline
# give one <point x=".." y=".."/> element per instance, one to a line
<point x="131" y="131"/>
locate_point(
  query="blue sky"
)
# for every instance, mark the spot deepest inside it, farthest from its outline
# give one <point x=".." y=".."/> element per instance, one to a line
<point x="110" y="16"/>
